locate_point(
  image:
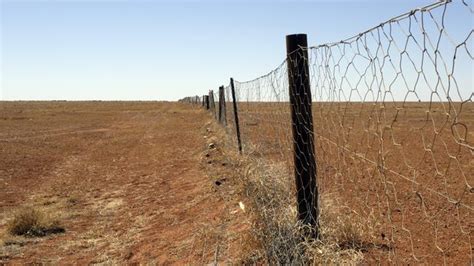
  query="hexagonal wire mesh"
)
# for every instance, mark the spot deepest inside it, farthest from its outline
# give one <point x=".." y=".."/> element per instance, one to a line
<point x="393" y="115"/>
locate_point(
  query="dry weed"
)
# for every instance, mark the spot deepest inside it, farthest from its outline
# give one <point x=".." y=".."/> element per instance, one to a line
<point x="277" y="237"/>
<point x="344" y="234"/>
<point x="32" y="222"/>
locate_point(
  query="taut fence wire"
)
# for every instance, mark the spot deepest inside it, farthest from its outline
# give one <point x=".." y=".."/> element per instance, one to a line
<point x="392" y="111"/>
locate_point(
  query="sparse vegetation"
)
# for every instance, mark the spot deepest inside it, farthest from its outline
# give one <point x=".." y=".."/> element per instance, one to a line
<point x="275" y="237"/>
<point x="33" y="222"/>
<point x="344" y="235"/>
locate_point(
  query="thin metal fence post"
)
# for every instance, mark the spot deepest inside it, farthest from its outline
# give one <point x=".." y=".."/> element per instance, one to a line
<point x="303" y="134"/>
<point x="236" y="115"/>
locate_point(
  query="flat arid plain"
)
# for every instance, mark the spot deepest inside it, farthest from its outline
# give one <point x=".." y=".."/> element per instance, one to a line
<point x="162" y="182"/>
<point x="121" y="182"/>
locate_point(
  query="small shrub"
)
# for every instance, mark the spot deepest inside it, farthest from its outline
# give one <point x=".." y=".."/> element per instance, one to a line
<point x="33" y="223"/>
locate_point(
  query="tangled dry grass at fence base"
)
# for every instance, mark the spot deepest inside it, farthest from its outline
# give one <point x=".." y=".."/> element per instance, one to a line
<point x="275" y="235"/>
<point x="344" y="235"/>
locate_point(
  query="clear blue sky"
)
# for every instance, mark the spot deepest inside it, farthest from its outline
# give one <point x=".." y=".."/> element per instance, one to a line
<point x="162" y="50"/>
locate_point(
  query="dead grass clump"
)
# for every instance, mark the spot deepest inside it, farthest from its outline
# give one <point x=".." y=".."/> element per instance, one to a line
<point x="344" y="226"/>
<point x="344" y="234"/>
<point x="277" y="237"/>
<point x="33" y="222"/>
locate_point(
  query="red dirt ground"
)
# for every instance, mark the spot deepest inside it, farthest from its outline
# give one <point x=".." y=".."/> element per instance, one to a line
<point x="128" y="181"/>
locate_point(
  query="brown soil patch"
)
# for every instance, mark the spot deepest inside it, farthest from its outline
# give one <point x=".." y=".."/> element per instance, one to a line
<point x="128" y="181"/>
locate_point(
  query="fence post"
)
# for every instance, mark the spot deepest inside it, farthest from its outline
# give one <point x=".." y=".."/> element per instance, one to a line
<point x="236" y="115"/>
<point x="219" y="114"/>
<point x="212" y="103"/>
<point x="222" y="111"/>
<point x="303" y="134"/>
<point x="206" y="102"/>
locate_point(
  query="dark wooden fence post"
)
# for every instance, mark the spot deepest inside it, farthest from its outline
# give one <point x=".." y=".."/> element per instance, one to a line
<point x="206" y="101"/>
<point x="236" y="114"/>
<point x="303" y="134"/>
<point x="219" y="114"/>
<point x="222" y="111"/>
<point x="212" y="103"/>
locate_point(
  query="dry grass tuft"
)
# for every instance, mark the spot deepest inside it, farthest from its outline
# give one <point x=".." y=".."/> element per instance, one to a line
<point x="344" y="234"/>
<point x="33" y="222"/>
<point x="276" y="236"/>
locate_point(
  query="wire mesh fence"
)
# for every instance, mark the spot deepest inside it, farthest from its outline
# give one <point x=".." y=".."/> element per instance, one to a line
<point x="392" y="112"/>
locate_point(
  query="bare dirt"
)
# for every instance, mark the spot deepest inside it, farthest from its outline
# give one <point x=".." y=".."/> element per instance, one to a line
<point x="129" y="182"/>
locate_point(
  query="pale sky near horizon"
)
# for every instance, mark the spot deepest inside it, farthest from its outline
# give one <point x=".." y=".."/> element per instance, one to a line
<point x="165" y="50"/>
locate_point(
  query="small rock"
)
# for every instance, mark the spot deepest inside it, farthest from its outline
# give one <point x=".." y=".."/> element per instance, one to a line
<point x="242" y="206"/>
<point x="220" y="181"/>
<point x="212" y="145"/>
<point x="128" y="255"/>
